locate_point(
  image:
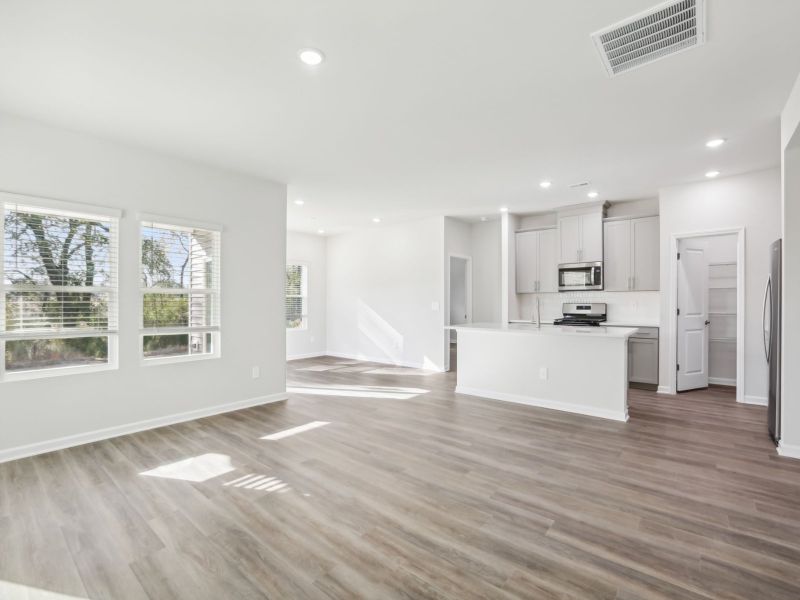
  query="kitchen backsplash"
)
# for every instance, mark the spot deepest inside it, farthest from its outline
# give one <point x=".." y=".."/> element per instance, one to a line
<point x="634" y="307"/>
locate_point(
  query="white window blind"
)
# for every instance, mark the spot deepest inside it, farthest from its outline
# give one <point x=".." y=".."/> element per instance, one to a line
<point x="59" y="289"/>
<point x="296" y="296"/>
<point x="180" y="289"/>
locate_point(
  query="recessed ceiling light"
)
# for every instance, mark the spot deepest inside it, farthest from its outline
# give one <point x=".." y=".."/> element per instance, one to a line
<point x="320" y="231"/>
<point x="299" y="202"/>
<point x="712" y="174"/>
<point x="311" y="56"/>
<point x="376" y="219"/>
<point x="545" y="184"/>
<point x="483" y="218"/>
<point x="715" y="143"/>
<point x="593" y="194"/>
<point x="503" y="209"/>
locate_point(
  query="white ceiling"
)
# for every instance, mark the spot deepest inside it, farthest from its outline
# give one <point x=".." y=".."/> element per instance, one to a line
<point x="447" y="107"/>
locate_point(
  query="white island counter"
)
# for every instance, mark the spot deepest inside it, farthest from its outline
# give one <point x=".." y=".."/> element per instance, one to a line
<point x="575" y="369"/>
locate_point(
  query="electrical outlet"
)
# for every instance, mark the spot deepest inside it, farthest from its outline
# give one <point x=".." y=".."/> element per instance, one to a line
<point x="256" y="372"/>
<point x="543" y="373"/>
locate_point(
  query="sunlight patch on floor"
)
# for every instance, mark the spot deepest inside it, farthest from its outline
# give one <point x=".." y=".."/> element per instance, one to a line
<point x="260" y="483"/>
<point x="295" y="430"/>
<point x="197" y="469"/>
<point x="16" y="591"/>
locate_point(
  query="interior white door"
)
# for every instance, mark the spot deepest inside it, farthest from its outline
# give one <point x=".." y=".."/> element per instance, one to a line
<point x="617" y="255"/>
<point x="548" y="260"/>
<point x="692" y="317"/>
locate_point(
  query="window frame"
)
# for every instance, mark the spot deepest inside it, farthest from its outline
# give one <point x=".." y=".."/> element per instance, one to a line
<point x="216" y="292"/>
<point x="304" y="281"/>
<point x="65" y="209"/>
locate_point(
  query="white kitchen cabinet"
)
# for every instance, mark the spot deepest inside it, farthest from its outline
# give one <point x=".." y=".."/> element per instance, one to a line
<point x="631" y="254"/>
<point x="548" y="260"/>
<point x="643" y="360"/>
<point x="617" y="255"/>
<point x="527" y="260"/>
<point x="646" y="253"/>
<point x="536" y="261"/>
<point x="569" y="232"/>
<point x="581" y="238"/>
<point x="592" y="237"/>
<point x="643" y="356"/>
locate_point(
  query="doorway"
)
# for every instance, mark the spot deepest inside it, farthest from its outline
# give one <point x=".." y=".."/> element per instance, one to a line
<point x="459" y="301"/>
<point x="709" y="322"/>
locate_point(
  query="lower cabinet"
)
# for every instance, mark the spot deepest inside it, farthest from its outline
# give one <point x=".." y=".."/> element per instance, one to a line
<point x="643" y="357"/>
<point x="643" y="360"/>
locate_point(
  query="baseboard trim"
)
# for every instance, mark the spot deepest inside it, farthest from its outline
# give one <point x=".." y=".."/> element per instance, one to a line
<point x="543" y="403"/>
<point x="307" y="355"/>
<point x="118" y="430"/>
<point x="664" y="389"/>
<point x="722" y="381"/>
<point x="382" y="361"/>
<point x="789" y="450"/>
<point x="756" y="400"/>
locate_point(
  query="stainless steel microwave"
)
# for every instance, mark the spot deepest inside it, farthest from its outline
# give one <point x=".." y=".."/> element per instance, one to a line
<point x="580" y="276"/>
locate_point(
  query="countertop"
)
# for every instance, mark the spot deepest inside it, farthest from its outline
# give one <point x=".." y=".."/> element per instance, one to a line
<point x="613" y="332"/>
<point x="622" y="323"/>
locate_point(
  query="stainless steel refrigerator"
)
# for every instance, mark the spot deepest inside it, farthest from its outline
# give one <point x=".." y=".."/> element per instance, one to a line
<point x="772" y="340"/>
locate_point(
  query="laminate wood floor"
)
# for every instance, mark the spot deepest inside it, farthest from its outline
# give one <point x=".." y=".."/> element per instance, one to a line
<point x="380" y="482"/>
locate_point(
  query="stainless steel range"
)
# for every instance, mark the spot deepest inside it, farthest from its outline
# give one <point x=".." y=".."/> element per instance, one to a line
<point x="583" y="314"/>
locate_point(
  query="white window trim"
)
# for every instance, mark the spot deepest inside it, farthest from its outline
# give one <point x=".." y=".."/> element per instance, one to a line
<point x="304" y="323"/>
<point x="69" y="208"/>
<point x="182" y="224"/>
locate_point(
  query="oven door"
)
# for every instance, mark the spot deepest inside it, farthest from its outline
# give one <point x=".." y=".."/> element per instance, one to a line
<point x="580" y="276"/>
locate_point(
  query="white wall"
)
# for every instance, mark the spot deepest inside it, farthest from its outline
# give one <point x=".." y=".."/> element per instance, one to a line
<point x="790" y="391"/>
<point x="629" y="308"/>
<point x="386" y="294"/>
<point x="310" y="250"/>
<point x="42" y="161"/>
<point x="751" y="201"/>
<point x="486" y="272"/>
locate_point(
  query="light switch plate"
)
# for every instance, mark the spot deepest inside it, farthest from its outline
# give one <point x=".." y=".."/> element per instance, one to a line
<point x="543" y="373"/>
<point x="435" y="306"/>
<point x="256" y="372"/>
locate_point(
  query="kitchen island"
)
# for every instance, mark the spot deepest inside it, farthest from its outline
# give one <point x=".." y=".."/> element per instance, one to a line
<point x="574" y="369"/>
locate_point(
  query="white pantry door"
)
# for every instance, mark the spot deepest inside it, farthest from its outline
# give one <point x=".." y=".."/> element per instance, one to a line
<point x="693" y="316"/>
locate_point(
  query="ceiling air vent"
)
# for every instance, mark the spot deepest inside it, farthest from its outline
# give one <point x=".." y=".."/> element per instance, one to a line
<point x="663" y="30"/>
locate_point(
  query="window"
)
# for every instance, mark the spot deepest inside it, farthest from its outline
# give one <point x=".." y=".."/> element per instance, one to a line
<point x="296" y="296"/>
<point x="180" y="275"/>
<point x="59" y="288"/>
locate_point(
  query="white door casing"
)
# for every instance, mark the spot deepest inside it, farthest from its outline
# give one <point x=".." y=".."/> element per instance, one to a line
<point x="692" y="317"/>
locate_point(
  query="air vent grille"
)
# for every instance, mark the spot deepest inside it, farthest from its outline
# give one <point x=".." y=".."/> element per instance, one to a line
<point x="659" y="32"/>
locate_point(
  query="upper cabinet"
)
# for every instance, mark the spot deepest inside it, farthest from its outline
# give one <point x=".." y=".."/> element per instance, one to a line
<point x="581" y="238"/>
<point x="631" y="248"/>
<point x="536" y="261"/>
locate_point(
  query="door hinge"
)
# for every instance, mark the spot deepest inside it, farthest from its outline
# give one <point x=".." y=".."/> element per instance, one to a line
<point x="679" y="311"/>
<point x="679" y="255"/>
<point x="679" y="367"/>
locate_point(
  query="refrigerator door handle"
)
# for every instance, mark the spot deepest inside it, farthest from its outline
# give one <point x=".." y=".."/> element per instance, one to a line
<point x="767" y="342"/>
